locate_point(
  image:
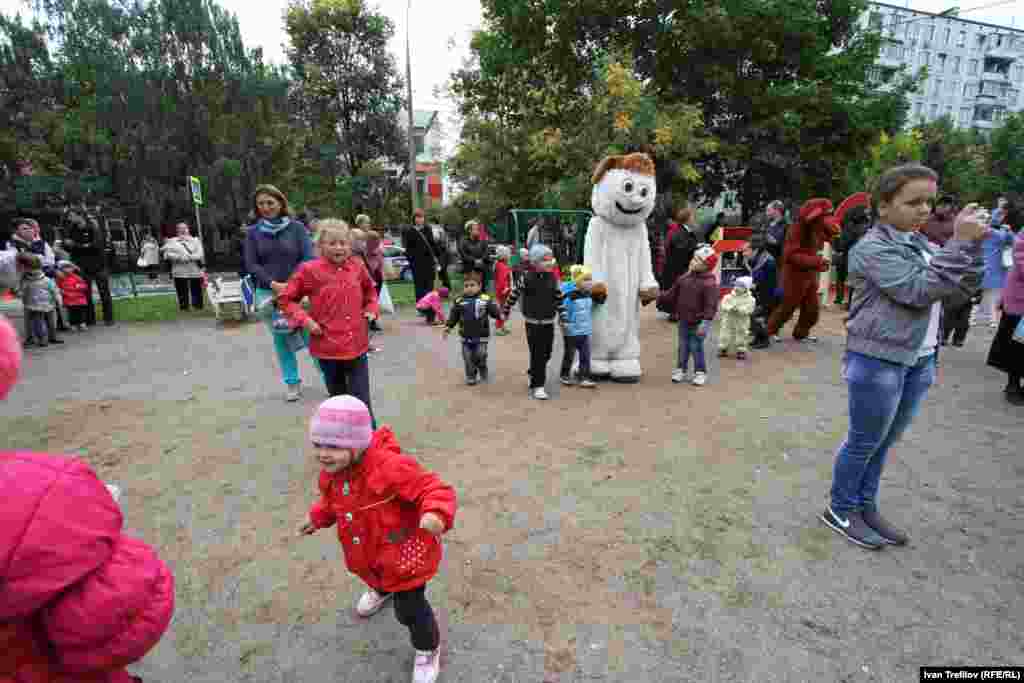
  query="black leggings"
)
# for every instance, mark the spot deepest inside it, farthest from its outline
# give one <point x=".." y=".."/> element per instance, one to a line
<point x="540" y="339"/>
<point x="350" y="377"/>
<point x="415" y="613"/>
<point x="185" y="285"/>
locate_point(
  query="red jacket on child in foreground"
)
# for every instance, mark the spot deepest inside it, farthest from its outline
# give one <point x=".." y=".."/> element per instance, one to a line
<point x="377" y="504"/>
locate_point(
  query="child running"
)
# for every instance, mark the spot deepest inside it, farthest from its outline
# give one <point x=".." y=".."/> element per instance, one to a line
<point x="471" y="313"/>
<point x="541" y="299"/>
<point x="694" y="300"/>
<point x="342" y="298"/>
<point x="577" y="324"/>
<point x="390" y="514"/>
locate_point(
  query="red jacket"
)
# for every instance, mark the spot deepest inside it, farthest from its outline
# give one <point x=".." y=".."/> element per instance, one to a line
<point x="693" y="298"/>
<point x="73" y="289"/>
<point x="79" y="599"/>
<point x="502" y="280"/>
<point x="377" y="504"/>
<point x="338" y="297"/>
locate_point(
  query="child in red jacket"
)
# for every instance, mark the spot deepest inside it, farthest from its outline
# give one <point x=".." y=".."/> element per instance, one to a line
<point x="693" y="299"/>
<point x="73" y="290"/>
<point x="502" y="285"/>
<point x="390" y="514"/>
<point x="342" y="299"/>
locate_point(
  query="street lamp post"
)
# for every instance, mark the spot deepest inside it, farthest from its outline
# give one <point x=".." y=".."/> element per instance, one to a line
<point x="408" y="82"/>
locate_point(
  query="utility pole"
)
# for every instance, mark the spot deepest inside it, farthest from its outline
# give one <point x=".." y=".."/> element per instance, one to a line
<point x="408" y="84"/>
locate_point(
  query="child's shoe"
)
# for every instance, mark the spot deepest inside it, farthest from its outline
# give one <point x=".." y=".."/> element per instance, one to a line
<point x="294" y="393"/>
<point x="678" y="375"/>
<point x="540" y="394"/>
<point x="370" y="603"/>
<point x="722" y="353"/>
<point x="699" y="378"/>
<point x="55" y="340"/>
<point x="81" y="328"/>
<point x="588" y="383"/>
<point x="567" y="381"/>
<point x="427" y="666"/>
<point x="470" y="381"/>
<point x="741" y="355"/>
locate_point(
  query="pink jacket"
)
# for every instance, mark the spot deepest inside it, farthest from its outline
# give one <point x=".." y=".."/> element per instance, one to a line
<point x="1013" y="293"/>
<point x="431" y="300"/>
<point x="79" y="599"/>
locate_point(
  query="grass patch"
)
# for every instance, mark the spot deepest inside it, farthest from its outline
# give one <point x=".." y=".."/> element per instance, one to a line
<point x="152" y="309"/>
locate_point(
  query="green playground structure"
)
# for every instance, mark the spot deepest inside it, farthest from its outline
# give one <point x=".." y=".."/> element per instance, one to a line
<point x="564" y="230"/>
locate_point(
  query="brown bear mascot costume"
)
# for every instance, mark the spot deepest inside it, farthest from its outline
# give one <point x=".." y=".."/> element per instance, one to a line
<point x="800" y="266"/>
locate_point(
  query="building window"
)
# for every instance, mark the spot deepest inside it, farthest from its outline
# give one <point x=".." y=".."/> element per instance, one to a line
<point x="938" y="87"/>
<point x="946" y="40"/>
<point x="981" y="42"/>
<point x="917" y="108"/>
<point x="926" y="57"/>
<point x="419" y="140"/>
<point x="913" y="31"/>
<point x="972" y="67"/>
<point x="933" y="111"/>
<point x="965" y="115"/>
<point x="956" y="65"/>
<point x="949" y="112"/>
<point x="961" y="39"/>
<point x="954" y="87"/>
<point x="942" y="61"/>
<point x="930" y="33"/>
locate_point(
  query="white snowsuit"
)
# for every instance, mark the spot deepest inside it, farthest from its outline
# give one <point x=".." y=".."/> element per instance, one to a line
<point x="734" y="328"/>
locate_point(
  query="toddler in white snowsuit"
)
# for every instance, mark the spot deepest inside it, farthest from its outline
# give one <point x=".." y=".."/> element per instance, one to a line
<point x="736" y="309"/>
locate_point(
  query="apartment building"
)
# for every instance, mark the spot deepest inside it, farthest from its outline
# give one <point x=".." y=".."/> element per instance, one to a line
<point x="975" y="70"/>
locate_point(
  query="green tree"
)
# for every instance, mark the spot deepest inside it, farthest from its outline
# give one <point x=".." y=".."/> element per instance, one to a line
<point x="347" y="86"/>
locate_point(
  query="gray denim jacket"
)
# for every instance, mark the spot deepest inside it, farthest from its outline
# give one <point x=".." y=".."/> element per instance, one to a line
<point x="895" y="289"/>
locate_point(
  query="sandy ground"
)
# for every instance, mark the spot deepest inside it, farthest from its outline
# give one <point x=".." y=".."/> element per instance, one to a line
<point x="648" y="532"/>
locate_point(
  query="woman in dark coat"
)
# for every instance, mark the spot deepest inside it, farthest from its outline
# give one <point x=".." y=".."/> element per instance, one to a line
<point x="421" y="250"/>
<point x="680" y="250"/>
<point x="473" y="252"/>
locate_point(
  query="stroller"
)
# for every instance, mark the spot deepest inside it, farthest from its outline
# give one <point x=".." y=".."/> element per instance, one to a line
<point x="232" y="300"/>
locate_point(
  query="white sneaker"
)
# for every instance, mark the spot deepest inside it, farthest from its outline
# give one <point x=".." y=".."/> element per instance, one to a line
<point x="294" y="393"/>
<point x="776" y="339"/>
<point x="588" y="384"/>
<point x="540" y="393"/>
<point x="699" y="378"/>
<point x="678" y="375"/>
<point x="370" y="603"/>
<point x="427" y="666"/>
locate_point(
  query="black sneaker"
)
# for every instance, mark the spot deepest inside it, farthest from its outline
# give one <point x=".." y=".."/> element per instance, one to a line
<point x="888" y="532"/>
<point x="853" y="528"/>
<point x="56" y="341"/>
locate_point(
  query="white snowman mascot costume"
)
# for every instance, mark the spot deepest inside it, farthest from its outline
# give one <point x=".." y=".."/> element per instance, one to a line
<point x="618" y="253"/>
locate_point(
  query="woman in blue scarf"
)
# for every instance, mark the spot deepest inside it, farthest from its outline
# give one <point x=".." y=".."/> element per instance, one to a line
<point x="274" y="247"/>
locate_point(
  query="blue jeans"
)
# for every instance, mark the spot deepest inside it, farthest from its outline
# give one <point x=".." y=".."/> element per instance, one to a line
<point x="286" y="358"/>
<point x="884" y="398"/>
<point x="689" y="343"/>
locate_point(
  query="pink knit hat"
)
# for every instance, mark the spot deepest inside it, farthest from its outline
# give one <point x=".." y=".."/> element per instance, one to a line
<point x="341" y="422"/>
<point x="10" y="357"/>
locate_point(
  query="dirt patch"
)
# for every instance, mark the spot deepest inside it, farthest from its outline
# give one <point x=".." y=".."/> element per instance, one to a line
<point x="659" y="515"/>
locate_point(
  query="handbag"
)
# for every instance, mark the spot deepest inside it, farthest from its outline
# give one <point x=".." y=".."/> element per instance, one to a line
<point x="1007" y="257"/>
<point x="384" y="300"/>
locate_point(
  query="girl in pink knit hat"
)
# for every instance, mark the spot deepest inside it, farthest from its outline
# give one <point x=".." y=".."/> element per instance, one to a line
<point x="390" y="514"/>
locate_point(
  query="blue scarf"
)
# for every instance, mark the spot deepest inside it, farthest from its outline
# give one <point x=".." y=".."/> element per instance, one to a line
<point x="273" y="226"/>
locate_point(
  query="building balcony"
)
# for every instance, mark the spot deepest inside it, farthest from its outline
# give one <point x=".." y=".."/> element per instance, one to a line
<point x="1002" y="53"/>
<point x="995" y="76"/>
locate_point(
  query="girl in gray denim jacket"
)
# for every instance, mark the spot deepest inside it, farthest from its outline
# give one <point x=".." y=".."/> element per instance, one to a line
<point x="893" y="334"/>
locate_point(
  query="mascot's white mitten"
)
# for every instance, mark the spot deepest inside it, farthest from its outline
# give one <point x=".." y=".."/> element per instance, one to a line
<point x="618" y="253"/>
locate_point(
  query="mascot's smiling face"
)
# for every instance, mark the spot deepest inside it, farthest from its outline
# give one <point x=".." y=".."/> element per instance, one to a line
<point x="624" y="189"/>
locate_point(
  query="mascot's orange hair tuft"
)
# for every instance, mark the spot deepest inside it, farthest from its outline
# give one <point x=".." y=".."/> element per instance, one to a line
<point x="636" y="162"/>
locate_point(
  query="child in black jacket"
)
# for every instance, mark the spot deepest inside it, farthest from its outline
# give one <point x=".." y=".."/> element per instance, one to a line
<point x="472" y="312"/>
<point x="542" y="298"/>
